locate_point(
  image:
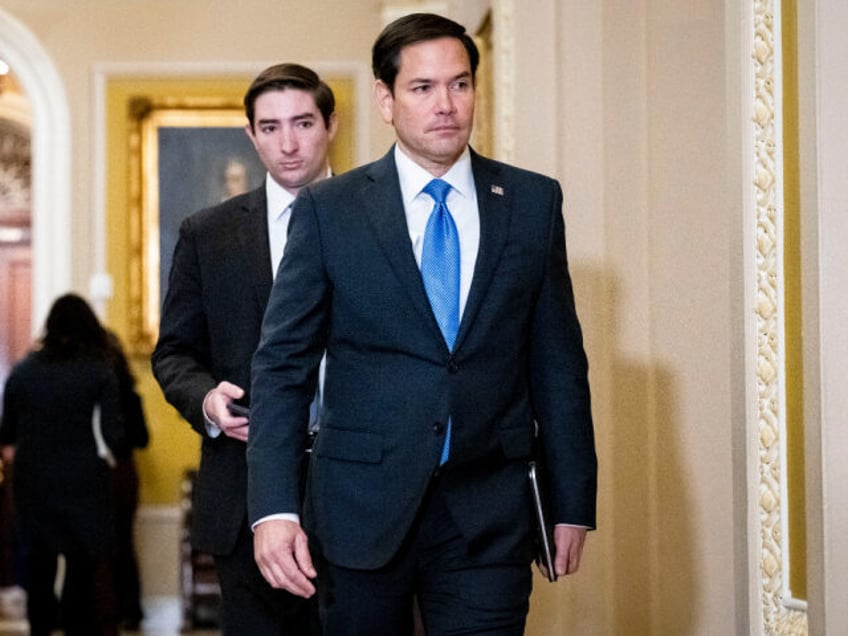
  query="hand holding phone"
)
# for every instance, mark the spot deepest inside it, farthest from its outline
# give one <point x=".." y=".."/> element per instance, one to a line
<point x="238" y="410"/>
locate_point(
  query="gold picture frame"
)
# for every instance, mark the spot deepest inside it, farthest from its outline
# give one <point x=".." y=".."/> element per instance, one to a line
<point x="198" y="126"/>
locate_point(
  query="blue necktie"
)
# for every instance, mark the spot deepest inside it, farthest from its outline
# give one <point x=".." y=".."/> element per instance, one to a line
<point x="440" y="271"/>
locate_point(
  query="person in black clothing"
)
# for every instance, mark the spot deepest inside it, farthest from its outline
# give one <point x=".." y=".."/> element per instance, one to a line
<point x="221" y="275"/>
<point x="62" y="486"/>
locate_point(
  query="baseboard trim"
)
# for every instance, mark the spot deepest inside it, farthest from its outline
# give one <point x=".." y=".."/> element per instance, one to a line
<point x="158" y="532"/>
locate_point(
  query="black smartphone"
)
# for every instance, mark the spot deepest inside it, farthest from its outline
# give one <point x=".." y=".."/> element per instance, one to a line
<point x="238" y="410"/>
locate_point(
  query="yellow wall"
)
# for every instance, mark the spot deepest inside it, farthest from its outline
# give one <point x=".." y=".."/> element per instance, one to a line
<point x="793" y="300"/>
<point x="174" y="446"/>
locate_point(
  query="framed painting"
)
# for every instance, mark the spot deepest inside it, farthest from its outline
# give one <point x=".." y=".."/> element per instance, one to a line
<point x="185" y="156"/>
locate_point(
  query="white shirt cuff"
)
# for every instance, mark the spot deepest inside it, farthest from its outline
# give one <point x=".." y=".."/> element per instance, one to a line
<point x="212" y="429"/>
<point x="281" y="516"/>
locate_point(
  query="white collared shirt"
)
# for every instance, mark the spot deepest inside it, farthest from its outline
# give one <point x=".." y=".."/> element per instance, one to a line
<point x="279" y="212"/>
<point x="461" y="201"/>
<point x="280" y="203"/>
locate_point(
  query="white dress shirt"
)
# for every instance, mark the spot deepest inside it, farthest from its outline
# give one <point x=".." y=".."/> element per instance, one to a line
<point x="461" y="201"/>
<point x="279" y="213"/>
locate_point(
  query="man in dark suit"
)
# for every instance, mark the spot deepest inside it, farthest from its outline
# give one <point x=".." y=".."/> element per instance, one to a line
<point x="218" y="288"/>
<point x="436" y="377"/>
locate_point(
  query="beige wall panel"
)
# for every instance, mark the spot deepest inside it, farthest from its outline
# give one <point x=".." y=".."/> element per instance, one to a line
<point x="636" y="125"/>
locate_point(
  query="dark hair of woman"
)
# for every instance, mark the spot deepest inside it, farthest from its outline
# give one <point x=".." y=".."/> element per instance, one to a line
<point x="73" y="329"/>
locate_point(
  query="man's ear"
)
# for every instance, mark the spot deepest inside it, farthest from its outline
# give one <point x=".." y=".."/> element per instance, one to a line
<point x="249" y="130"/>
<point x="333" y="126"/>
<point x="385" y="100"/>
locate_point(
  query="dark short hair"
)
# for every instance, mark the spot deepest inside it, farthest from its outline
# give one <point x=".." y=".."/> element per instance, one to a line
<point x="279" y="77"/>
<point x="411" y="29"/>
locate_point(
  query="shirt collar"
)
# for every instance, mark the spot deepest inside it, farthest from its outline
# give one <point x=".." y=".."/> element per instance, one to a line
<point x="413" y="177"/>
<point x="279" y="199"/>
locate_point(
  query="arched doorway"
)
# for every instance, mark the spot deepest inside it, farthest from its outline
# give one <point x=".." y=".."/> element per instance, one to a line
<point x="51" y="163"/>
<point x="35" y="263"/>
<point x="15" y="224"/>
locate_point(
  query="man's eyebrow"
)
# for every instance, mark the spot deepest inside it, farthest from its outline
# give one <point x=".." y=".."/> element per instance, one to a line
<point x="268" y="120"/>
<point x="430" y="80"/>
<point x="295" y="118"/>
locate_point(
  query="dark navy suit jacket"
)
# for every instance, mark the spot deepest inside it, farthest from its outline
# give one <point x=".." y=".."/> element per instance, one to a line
<point x="349" y="283"/>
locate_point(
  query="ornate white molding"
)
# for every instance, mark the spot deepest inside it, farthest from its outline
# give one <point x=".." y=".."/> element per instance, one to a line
<point x="503" y="43"/>
<point x="777" y="615"/>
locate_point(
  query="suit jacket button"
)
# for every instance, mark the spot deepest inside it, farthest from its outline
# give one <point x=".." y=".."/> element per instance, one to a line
<point x="453" y="367"/>
<point x="438" y="428"/>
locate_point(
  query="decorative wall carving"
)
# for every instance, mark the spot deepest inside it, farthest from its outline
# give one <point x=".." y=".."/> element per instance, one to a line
<point x="503" y="18"/>
<point x="770" y="368"/>
<point x="14" y="170"/>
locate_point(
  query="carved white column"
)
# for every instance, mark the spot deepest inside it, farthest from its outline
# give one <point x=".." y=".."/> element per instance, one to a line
<point x="503" y="18"/>
<point x="780" y="614"/>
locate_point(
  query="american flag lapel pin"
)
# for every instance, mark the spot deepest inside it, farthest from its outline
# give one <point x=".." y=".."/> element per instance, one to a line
<point x="496" y="189"/>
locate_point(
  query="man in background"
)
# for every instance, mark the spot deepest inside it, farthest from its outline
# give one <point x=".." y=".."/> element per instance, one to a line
<point x="218" y="287"/>
<point x="436" y="280"/>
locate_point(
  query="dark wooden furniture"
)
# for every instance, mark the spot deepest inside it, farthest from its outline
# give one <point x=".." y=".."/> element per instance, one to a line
<point x="199" y="587"/>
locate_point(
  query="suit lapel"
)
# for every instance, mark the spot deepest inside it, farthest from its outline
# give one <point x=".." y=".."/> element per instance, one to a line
<point x="383" y="202"/>
<point x="494" y="204"/>
<point x="251" y="230"/>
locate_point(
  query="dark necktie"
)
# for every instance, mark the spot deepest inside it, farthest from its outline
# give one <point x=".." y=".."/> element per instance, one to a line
<point x="440" y="271"/>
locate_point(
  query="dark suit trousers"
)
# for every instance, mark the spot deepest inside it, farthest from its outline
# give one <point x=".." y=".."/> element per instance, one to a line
<point x="456" y="594"/>
<point x="251" y="606"/>
<point x="125" y="575"/>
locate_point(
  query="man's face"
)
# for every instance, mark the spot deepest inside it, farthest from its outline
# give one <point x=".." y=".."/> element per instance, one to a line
<point x="290" y="136"/>
<point x="432" y="108"/>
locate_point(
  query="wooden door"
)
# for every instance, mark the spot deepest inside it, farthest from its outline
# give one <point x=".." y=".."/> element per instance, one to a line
<point x="15" y="305"/>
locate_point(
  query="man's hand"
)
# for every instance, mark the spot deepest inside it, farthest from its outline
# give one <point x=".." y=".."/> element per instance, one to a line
<point x="569" y="547"/>
<point x="215" y="408"/>
<point x="281" y="550"/>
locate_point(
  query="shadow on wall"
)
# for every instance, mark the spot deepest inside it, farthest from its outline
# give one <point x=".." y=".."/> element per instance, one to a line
<point x="638" y="576"/>
<point x="655" y="585"/>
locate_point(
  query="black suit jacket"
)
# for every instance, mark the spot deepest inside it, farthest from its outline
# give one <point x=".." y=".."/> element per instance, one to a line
<point x="349" y="282"/>
<point x="218" y="288"/>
